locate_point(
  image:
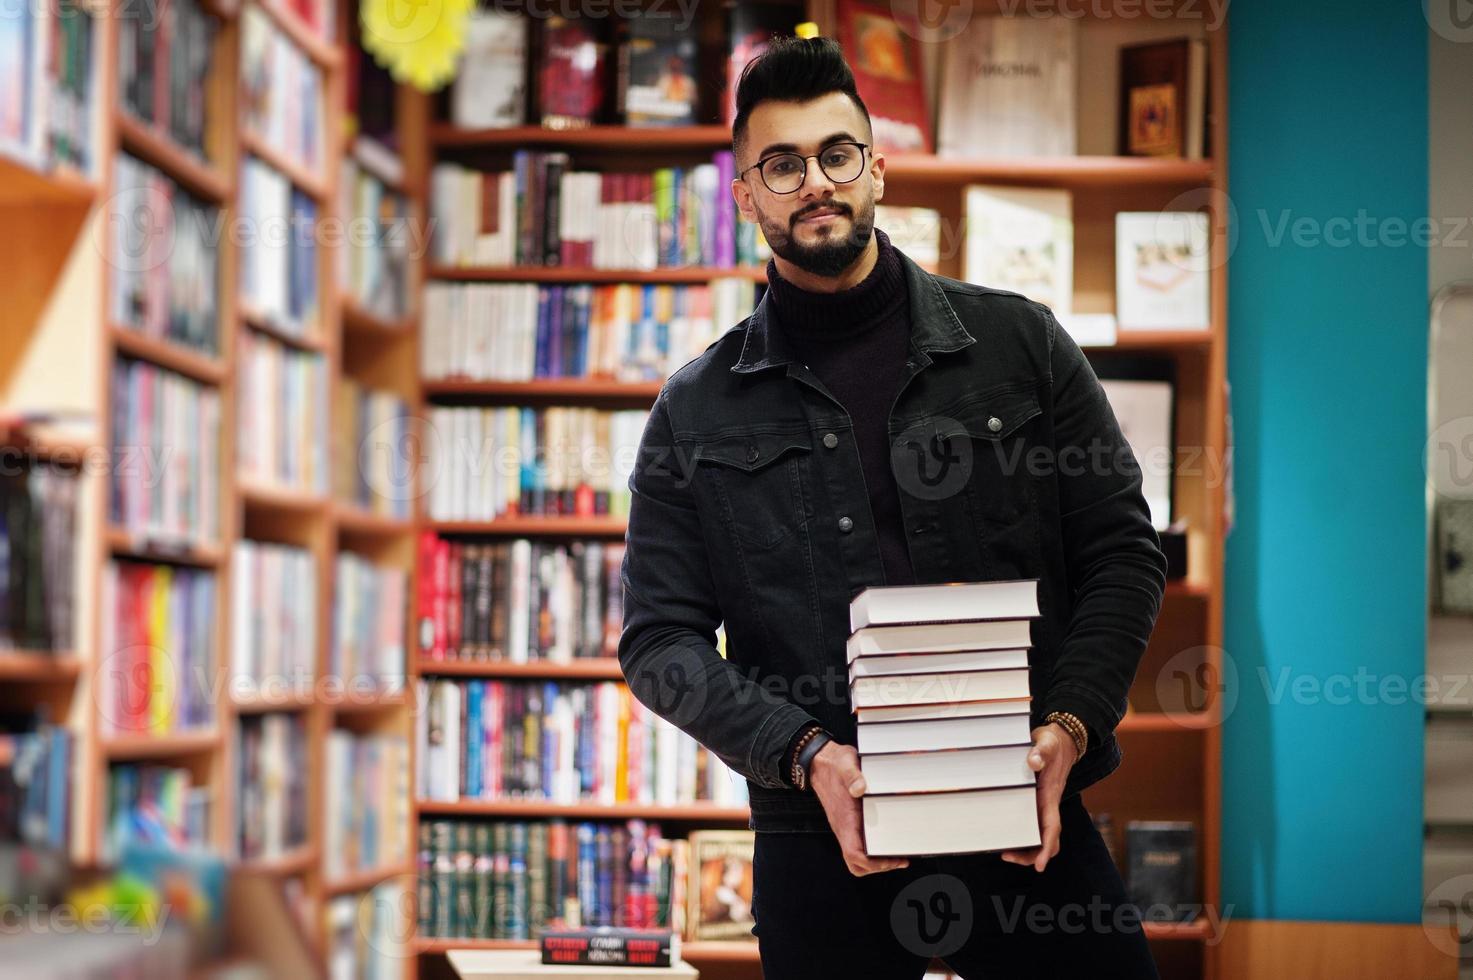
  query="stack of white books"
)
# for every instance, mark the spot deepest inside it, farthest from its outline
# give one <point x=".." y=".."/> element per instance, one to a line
<point x="938" y="677"/>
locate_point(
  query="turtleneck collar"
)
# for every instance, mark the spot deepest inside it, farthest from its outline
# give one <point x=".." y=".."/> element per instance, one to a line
<point x="806" y="315"/>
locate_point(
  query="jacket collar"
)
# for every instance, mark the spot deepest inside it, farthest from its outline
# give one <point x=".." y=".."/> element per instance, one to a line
<point x="934" y="325"/>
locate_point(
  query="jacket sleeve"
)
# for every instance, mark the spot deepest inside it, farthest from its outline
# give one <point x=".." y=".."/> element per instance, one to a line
<point x="667" y="648"/>
<point x="1116" y="569"/>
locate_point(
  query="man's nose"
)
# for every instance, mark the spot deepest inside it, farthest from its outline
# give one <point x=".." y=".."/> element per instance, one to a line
<point x="816" y="183"/>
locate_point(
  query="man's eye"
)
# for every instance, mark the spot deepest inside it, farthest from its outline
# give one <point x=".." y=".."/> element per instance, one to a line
<point x="783" y="166"/>
<point x="837" y="158"/>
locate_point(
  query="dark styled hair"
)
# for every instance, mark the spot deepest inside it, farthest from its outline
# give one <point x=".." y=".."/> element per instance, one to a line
<point x="792" y="69"/>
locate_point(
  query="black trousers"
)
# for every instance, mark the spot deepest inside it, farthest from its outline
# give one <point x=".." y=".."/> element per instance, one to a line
<point x="983" y="916"/>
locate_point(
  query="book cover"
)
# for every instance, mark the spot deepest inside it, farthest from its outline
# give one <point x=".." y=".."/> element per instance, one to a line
<point x="572" y="79"/>
<point x="719" y="896"/>
<point x="886" y="61"/>
<point x="1008" y="88"/>
<point x="1161" y="875"/>
<point x="491" y="86"/>
<point x="657" y="73"/>
<point x="1162" y="270"/>
<point x="1021" y="239"/>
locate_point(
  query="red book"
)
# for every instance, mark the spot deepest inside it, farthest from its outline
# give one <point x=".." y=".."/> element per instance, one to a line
<point x="887" y="71"/>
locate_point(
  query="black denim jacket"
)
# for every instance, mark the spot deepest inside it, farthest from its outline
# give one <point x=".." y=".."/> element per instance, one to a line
<point x="750" y="509"/>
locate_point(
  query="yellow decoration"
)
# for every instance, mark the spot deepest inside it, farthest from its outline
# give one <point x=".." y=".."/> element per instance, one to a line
<point x="418" y="41"/>
<point x="806" y="29"/>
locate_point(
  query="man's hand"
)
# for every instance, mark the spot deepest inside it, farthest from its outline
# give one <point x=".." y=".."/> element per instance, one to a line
<point x="1052" y="756"/>
<point x="834" y="775"/>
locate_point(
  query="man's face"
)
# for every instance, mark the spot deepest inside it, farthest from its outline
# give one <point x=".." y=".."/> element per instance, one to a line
<point x="823" y="226"/>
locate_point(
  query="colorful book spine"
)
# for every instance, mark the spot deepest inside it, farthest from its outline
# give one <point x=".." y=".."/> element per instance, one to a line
<point x="273" y="620"/>
<point x="282" y="440"/>
<point x="271" y="804"/>
<point x="367" y="803"/>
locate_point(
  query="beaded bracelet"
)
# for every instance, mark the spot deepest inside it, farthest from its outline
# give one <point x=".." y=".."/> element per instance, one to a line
<point x="1074" y="727"/>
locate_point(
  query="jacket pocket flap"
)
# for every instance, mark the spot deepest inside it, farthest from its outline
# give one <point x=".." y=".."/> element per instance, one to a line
<point x="993" y="417"/>
<point x="750" y="451"/>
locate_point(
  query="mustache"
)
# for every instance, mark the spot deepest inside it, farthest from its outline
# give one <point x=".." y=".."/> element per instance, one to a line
<point x="843" y="209"/>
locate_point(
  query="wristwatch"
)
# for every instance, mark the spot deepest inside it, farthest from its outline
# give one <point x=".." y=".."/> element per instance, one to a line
<point x="813" y="740"/>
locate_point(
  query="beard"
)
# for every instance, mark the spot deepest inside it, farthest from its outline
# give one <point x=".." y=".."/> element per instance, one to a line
<point x="832" y="254"/>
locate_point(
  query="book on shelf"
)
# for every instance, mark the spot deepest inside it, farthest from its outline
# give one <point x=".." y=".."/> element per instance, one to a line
<point x="490" y="89"/>
<point x="157" y="668"/>
<point x="1008" y="88"/>
<point x="163" y="258"/>
<point x="886" y="60"/>
<point x="1142" y="393"/>
<point x="519" y="601"/>
<point x="518" y="880"/>
<point x="1163" y="99"/>
<point x="164" y="71"/>
<point x="366" y="647"/>
<point x="1162" y="270"/>
<point x="1022" y="240"/>
<point x="278" y="253"/>
<point x="367" y="933"/>
<point x="36" y="759"/>
<point x="561" y="742"/>
<point x="609" y="946"/>
<point x="282" y="439"/>
<point x="370" y="110"/>
<point x="656" y="72"/>
<point x="512" y="461"/>
<point x="38" y="552"/>
<point x="281" y="91"/>
<point x="366" y="822"/>
<point x="543" y="212"/>
<point x="750" y="30"/>
<point x="720" y="889"/>
<point x="373" y="261"/>
<point x="369" y="464"/>
<point x="943" y="722"/>
<point x="918" y="232"/>
<point x="1161" y="869"/>
<point x="48" y="74"/>
<point x="573" y="68"/>
<point x="153" y="805"/>
<point x="624" y="332"/>
<point x="273" y="621"/>
<point x="318" y="16"/>
<point x="270" y="813"/>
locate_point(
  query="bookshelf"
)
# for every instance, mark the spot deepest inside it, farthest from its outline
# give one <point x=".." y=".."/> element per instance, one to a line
<point x="382" y="352"/>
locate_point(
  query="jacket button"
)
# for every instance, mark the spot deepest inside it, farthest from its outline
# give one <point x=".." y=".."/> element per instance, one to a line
<point x="752" y="454"/>
<point x="994" y="423"/>
<point x="830" y="440"/>
<point x="846" y="524"/>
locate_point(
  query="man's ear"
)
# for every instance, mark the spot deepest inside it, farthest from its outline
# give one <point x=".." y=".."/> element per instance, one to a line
<point x="877" y="173"/>
<point x="742" y="194"/>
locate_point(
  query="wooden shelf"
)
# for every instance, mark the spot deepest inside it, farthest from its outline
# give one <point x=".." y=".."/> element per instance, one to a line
<point x="1180" y="588"/>
<point x="691" y="952"/>
<point x="261" y="323"/>
<point x="163" y="746"/>
<point x="1152" y="340"/>
<point x="1080" y="171"/>
<point x="533" y="526"/>
<point x="265" y="704"/>
<point x="326" y="53"/>
<point x="362" y="881"/>
<point x="591" y="668"/>
<point x="687" y="274"/>
<point x="358" y="322"/>
<point x="352" y="519"/>
<point x="293" y="862"/>
<point x="278" y="498"/>
<point x="38" y="667"/>
<point x="1162" y="721"/>
<point x="586" y="810"/>
<point x="51" y="442"/>
<point x="313" y="185"/>
<point x="153" y="146"/>
<point x="23" y="186"/>
<point x="572" y="388"/>
<point x="623" y="138"/>
<point x="123" y="543"/>
<point x="205" y="368"/>
<point x="354" y="703"/>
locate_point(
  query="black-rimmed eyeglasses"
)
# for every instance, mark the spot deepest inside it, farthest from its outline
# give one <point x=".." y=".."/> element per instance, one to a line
<point x="784" y="173"/>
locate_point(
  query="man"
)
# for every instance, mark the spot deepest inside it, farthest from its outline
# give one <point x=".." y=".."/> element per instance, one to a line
<point x="873" y="424"/>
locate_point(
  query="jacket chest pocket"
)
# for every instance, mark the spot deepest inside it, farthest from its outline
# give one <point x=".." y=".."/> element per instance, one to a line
<point x="995" y="429"/>
<point x="757" y="480"/>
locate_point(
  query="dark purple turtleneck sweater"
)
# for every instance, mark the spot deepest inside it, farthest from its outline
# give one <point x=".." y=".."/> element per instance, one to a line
<point x="856" y="342"/>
